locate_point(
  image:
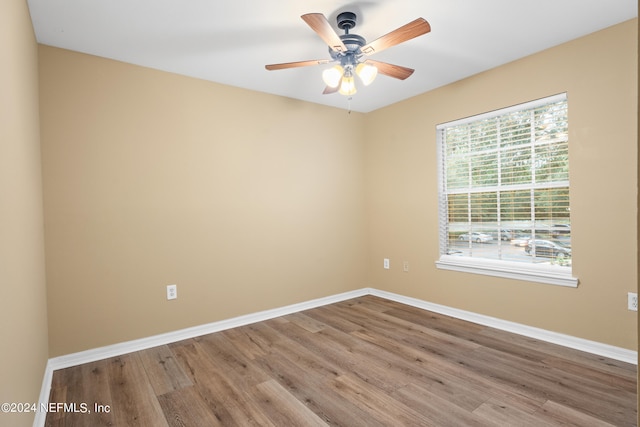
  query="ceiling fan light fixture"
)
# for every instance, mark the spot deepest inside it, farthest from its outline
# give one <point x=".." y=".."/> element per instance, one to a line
<point x="347" y="86"/>
<point x="332" y="76"/>
<point x="366" y="72"/>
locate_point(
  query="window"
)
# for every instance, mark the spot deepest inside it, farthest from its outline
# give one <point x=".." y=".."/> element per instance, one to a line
<point x="504" y="193"/>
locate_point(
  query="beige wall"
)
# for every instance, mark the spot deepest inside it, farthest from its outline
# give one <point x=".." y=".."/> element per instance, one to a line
<point x="246" y="201"/>
<point x="599" y="73"/>
<point x="23" y="311"/>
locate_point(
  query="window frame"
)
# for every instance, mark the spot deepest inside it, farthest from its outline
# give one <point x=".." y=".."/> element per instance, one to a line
<point x="540" y="273"/>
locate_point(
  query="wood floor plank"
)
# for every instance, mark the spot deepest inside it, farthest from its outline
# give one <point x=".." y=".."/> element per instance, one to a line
<point x="554" y="412"/>
<point x="366" y="361"/>
<point x="327" y="316"/>
<point x="437" y="376"/>
<point x="284" y="409"/>
<point x="431" y="341"/>
<point x="501" y="414"/>
<point x="372" y="303"/>
<point x="164" y="373"/>
<point x="184" y="407"/>
<point x="305" y="322"/>
<point x="232" y="360"/>
<point x="306" y="375"/>
<point x="570" y="390"/>
<point x="205" y="375"/>
<point x="253" y="340"/>
<point x="361" y="358"/>
<point x="224" y="397"/>
<point x="84" y="385"/>
<point x="133" y="400"/>
<point x="439" y="322"/>
<point x="550" y="352"/>
<point x="441" y="411"/>
<point x="311" y="362"/>
<point x="621" y="379"/>
<point x="378" y="403"/>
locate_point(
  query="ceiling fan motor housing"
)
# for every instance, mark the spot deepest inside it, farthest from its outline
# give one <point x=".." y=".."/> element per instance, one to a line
<point x="346" y="21"/>
<point x="353" y="42"/>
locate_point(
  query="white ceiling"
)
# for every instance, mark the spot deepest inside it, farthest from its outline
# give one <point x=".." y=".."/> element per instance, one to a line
<point x="230" y="41"/>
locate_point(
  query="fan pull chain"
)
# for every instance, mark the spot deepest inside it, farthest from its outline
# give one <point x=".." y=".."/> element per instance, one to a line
<point x="349" y="104"/>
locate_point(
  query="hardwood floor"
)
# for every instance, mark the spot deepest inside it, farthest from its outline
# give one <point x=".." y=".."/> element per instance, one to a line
<point x="362" y="362"/>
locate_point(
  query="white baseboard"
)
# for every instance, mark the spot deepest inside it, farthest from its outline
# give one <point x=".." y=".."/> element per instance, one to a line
<point x="588" y="346"/>
<point x="100" y="353"/>
<point x="40" y="416"/>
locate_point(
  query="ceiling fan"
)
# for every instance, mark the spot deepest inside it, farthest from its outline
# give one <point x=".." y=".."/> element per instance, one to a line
<point x="351" y="52"/>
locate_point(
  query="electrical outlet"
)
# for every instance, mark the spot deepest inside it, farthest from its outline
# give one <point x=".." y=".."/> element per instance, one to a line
<point x="405" y="266"/>
<point x="172" y="291"/>
<point x="632" y="301"/>
<point x="386" y="263"/>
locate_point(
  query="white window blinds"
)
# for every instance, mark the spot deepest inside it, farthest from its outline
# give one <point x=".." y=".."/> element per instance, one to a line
<point x="504" y="185"/>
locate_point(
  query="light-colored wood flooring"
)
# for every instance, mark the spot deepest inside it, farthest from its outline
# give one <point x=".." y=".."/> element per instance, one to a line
<point x="362" y="362"/>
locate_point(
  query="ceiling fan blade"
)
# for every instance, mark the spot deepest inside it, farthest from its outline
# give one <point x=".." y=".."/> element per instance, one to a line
<point x="285" y="65"/>
<point x="321" y="26"/>
<point x="391" y="70"/>
<point x="328" y="90"/>
<point x="407" y="32"/>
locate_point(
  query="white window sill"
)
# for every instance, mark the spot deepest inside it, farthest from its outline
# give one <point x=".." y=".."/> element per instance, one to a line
<point x="541" y="273"/>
